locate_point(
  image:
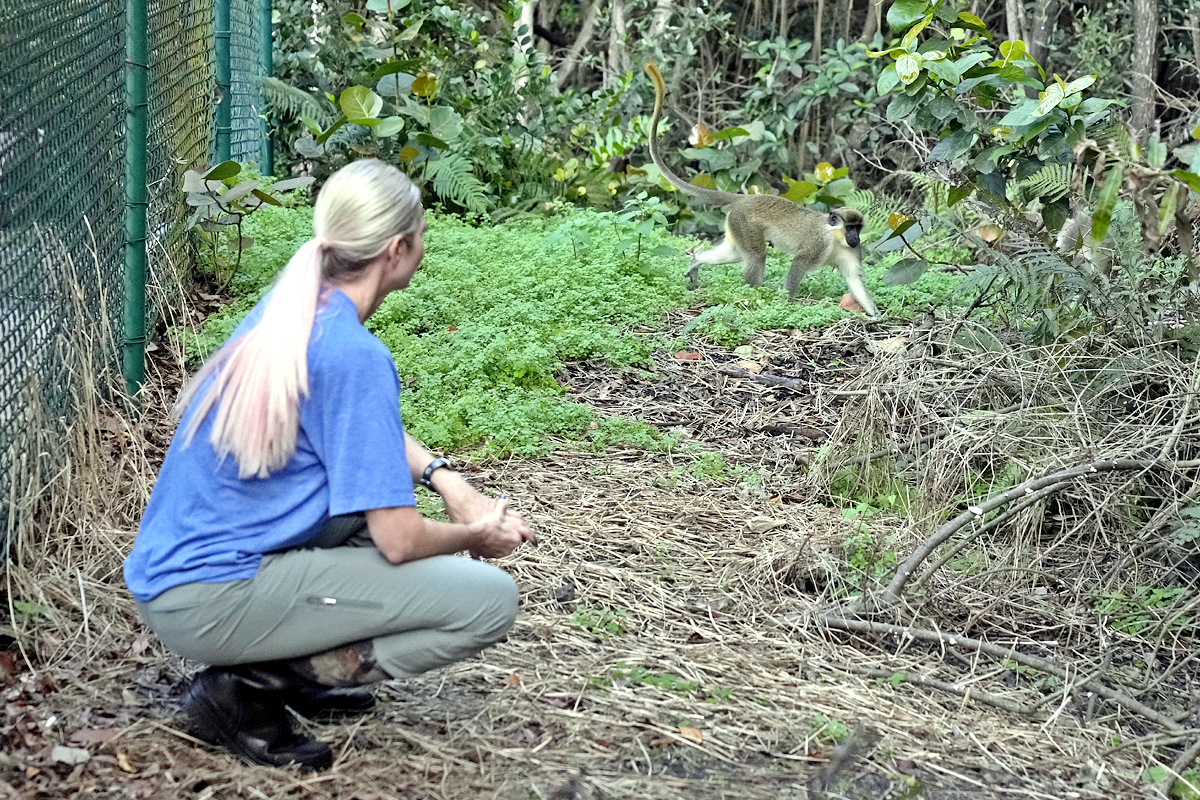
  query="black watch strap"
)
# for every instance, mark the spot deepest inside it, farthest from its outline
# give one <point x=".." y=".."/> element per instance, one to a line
<point x="436" y="464"/>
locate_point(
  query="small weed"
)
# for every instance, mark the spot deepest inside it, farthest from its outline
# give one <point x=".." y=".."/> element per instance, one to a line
<point x="26" y="608"/>
<point x="868" y="563"/>
<point x="710" y="467"/>
<point x="604" y="622"/>
<point x="1146" y="608"/>
<point x="829" y="730"/>
<point x="624" y="675"/>
<point x="718" y="695"/>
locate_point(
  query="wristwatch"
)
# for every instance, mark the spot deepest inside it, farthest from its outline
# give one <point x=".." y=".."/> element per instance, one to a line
<point x="436" y="464"/>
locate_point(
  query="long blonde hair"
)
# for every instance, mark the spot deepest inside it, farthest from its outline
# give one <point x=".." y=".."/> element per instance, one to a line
<point x="260" y="377"/>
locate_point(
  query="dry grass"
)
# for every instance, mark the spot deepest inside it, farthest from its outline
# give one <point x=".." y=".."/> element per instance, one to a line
<point x="671" y="642"/>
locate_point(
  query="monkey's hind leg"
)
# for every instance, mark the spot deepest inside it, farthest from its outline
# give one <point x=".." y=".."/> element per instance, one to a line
<point x="750" y="240"/>
<point x="724" y="253"/>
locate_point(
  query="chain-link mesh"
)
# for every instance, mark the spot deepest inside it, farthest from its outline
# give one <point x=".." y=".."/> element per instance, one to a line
<point x="180" y="121"/>
<point x="62" y="118"/>
<point x="245" y="66"/>
<point x="62" y="191"/>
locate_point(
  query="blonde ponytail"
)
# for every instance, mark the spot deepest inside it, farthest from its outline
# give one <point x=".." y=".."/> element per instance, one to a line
<point x="259" y="379"/>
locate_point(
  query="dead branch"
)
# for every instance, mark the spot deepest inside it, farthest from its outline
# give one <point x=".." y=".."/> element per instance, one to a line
<point x="895" y="588"/>
<point x="1007" y="653"/>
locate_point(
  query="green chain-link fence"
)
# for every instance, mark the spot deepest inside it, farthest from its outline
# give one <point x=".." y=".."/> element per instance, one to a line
<point x="62" y="189"/>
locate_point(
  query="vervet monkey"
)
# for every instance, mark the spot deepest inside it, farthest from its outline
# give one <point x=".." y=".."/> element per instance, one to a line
<point x="1074" y="242"/>
<point x="751" y="220"/>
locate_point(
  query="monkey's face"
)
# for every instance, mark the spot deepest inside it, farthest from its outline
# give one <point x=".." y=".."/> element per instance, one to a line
<point x="850" y="228"/>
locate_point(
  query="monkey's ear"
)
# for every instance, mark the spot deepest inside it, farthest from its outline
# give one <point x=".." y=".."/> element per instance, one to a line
<point x="834" y="220"/>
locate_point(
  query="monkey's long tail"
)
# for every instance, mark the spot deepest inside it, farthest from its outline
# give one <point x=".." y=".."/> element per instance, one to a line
<point x="699" y="192"/>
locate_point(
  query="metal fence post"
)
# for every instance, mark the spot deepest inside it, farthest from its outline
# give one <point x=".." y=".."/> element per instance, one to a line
<point x="224" y="116"/>
<point x="133" y="309"/>
<point x="267" y="58"/>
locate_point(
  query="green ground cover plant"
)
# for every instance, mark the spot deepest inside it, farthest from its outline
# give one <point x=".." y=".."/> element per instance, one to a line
<point x="495" y="312"/>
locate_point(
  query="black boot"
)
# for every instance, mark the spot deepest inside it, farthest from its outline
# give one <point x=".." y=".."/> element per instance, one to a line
<point x="306" y="697"/>
<point x="232" y="712"/>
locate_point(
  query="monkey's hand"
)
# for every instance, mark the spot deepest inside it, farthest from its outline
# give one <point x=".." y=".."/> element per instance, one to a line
<point x="693" y="271"/>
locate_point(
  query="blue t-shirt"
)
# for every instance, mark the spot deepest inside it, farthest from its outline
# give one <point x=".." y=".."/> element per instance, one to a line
<point x="205" y="524"/>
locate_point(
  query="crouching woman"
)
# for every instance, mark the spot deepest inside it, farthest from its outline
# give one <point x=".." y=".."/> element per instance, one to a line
<point x="281" y="544"/>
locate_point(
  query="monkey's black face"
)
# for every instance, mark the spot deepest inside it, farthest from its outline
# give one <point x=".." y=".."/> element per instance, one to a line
<point x="852" y="232"/>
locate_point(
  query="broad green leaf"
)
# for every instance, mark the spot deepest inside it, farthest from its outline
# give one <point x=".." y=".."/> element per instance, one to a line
<point x="972" y="22"/>
<point x="424" y="84"/>
<point x="888" y="78"/>
<point x="944" y="70"/>
<point x="354" y="20"/>
<point x="324" y="137"/>
<point x="238" y="192"/>
<point x="958" y="193"/>
<point x="410" y="32"/>
<point x="908" y="67"/>
<point x="200" y="199"/>
<point x="1156" y="152"/>
<point x="288" y="184"/>
<point x="1079" y="84"/>
<point x="312" y="125"/>
<point x="1049" y="100"/>
<point x="1106" y="201"/>
<point x="970" y="60"/>
<point x="408" y="153"/>
<point x="905" y="271"/>
<point x="904" y="13"/>
<point x="914" y="32"/>
<point x="823" y="172"/>
<point x="1166" y="211"/>
<point x="389" y="126"/>
<point x="1012" y="50"/>
<point x="359" y="104"/>
<point x="1021" y="115"/>
<point x="799" y="191"/>
<point x="392" y="67"/>
<point x="952" y="146"/>
<point x="729" y="133"/>
<point x="1190" y="178"/>
<point x="223" y="171"/>
<point x="445" y="123"/>
<point x="431" y="141"/>
<point x="398" y="84"/>
<point x="704" y="181"/>
<point x="900" y="107"/>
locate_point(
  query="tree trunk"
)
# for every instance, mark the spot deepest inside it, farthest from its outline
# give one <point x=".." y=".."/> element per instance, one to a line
<point x="618" y="59"/>
<point x="663" y="10"/>
<point x="847" y="12"/>
<point x="1045" y="14"/>
<point x="784" y="22"/>
<point x="872" y="22"/>
<point x="1145" y="61"/>
<point x="523" y="47"/>
<point x="1014" y="15"/>
<point x="818" y="25"/>
<point x="586" y="31"/>
<point x="547" y="11"/>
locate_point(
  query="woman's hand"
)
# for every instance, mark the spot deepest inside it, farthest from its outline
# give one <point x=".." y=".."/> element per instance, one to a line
<point x="465" y="504"/>
<point x="499" y="532"/>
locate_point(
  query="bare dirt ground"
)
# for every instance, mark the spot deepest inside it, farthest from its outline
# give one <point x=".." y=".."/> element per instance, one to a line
<point x="669" y="644"/>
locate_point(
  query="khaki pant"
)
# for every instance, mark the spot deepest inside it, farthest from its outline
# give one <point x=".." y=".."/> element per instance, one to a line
<point x="420" y="614"/>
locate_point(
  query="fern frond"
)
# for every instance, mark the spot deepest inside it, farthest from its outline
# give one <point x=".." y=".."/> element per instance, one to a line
<point x="1052" y="182"/>
<point x="292" y="104"/>
<point x="453" y="179"/>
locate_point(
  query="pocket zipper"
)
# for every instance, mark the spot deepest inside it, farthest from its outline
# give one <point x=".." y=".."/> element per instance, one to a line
<point x="322" y="600"/>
